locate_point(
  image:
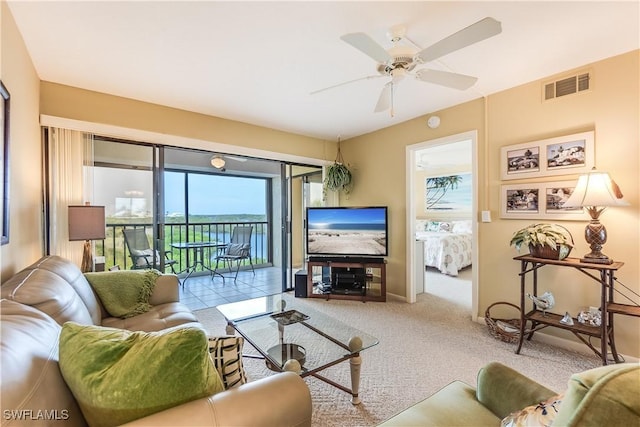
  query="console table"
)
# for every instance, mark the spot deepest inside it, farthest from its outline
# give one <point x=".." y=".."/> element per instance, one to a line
<point x="347" y="278"/>
<point x="603" y="274"/>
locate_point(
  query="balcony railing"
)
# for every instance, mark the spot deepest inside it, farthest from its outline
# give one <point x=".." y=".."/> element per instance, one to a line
<point x="115" y="252"/>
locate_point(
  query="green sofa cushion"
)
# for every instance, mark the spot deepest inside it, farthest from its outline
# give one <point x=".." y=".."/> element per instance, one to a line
<point x="608" y="395"/>
<point x="118" y="376"/>
<point x="453" y="405"/>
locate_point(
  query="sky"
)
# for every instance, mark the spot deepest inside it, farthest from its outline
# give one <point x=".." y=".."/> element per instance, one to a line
<point x="215" y="194"/>
<point x="208" y="194"/>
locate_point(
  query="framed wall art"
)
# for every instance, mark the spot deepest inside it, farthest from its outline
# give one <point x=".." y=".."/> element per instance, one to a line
<point x="539" y="200"/>
<point x="563" y="155"/>
<point x="4" y="163"/>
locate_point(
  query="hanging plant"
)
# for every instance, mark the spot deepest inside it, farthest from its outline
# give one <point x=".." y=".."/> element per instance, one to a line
<point x="338" y="176"/>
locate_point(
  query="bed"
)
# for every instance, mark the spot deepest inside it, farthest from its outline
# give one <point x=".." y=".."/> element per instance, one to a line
<point x="447" y="244"/>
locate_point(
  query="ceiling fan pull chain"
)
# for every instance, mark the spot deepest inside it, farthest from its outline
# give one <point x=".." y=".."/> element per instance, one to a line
<point x="392" y="111"/>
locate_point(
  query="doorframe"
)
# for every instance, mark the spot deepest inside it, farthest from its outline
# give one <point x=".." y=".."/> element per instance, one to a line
<point x="410" y="169"/>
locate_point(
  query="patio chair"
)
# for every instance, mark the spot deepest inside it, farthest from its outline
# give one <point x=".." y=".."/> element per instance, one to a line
<point x="141" y="253"/>
<point x="237" y="250"/>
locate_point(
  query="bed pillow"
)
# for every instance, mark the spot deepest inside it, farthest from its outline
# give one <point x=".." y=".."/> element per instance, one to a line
<point x="461" y="226"/>
<point x="541" y="414"/>
<point x="119" y="376"/>
<point x="432" y="226"/>
<point x="421" y="225"/>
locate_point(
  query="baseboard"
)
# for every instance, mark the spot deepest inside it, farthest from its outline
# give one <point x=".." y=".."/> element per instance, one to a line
<point x="396" y="297"/>
<point x="576" y="346"/>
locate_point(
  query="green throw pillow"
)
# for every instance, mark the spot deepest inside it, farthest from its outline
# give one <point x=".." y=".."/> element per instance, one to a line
<point x="119" y="376"/>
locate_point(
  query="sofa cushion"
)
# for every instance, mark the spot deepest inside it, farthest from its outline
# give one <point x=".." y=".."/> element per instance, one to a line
<point x="119" y="376"/>
<point x="50" y="293"/>
<point x="160" y="317"/>
<point x="31" y="384"/>
<point x="70" y="272"/>
<point x="226" y="352"/>
<point x="454" y="404"/>
<point x="607" y="395"/>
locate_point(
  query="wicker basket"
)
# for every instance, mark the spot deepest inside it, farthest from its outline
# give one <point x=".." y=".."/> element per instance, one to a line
<point x="507" y="330"/>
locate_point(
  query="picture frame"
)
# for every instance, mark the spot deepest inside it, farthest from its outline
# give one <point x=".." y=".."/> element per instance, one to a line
<point x="4" y="162"/>
<point x="562" y="155"/>
<point x="539" y="200"/>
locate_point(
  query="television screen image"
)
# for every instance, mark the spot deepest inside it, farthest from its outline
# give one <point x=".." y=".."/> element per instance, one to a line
<point x="354" y="231"/>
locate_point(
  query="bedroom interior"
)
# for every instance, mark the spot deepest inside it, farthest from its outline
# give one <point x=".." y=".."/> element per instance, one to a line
<point x="383" y="161"/>
<point x="443" y="217"/>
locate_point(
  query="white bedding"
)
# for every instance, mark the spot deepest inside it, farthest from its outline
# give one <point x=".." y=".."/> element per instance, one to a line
<point x="446" y="251"/>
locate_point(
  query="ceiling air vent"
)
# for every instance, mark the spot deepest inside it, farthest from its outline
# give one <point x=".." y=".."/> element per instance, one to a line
<point x="566" y="86"/>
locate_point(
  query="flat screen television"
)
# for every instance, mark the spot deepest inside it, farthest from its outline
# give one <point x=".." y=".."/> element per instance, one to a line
<point x="347" y="231"/>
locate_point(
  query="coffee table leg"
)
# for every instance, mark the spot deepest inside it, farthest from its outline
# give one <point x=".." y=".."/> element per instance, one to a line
<point x="355" y="345"/>
<point x="354" y="363"/>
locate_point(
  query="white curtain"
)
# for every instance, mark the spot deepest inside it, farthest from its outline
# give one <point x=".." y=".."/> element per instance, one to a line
<point x="70" y="183"/>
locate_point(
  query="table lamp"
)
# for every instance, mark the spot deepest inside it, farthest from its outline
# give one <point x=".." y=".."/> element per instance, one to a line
<point x="86" y="223"/>
<point x="595" y="191"/>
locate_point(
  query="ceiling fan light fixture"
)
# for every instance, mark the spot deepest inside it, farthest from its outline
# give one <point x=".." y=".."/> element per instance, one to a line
<point x="217" y="162"/>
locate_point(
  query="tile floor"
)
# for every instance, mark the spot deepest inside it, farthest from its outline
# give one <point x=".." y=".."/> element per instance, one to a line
<point x="201" y="292"/>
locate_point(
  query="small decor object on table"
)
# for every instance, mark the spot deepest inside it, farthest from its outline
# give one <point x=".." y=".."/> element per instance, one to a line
<point x="548" y="241"/>
<point x="544" y="302"/>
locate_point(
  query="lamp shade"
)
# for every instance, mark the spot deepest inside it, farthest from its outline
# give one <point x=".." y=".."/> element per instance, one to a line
<point x="595" y="189"/>
<point x="86" y="222"/>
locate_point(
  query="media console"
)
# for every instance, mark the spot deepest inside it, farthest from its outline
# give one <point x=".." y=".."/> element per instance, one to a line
<point x="360" y="278"/>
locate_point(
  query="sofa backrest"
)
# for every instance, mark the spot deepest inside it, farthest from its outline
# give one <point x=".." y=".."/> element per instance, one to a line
<point x="608" y="395"/>
<point x="57" y="287"/>
<point x="32" y="391"/>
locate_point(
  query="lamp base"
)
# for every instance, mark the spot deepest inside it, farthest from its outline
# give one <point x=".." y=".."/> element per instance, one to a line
<point x="87" y="261"/>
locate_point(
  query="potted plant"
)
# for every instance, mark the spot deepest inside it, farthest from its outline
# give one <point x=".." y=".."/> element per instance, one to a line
<point x="549" y="241"/>
<point x="338" y="176"/>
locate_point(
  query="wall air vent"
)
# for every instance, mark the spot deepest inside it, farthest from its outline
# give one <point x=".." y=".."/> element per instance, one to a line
<point x="566" y="86"/>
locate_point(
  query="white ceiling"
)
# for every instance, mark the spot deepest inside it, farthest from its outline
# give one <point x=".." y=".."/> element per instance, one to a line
<point x="258" y="62"/>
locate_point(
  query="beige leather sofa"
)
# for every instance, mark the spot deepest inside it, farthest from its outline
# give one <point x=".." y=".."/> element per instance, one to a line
<point x="39" y="299"/>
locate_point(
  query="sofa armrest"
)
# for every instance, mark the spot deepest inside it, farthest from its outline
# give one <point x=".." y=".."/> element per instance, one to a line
<point x="503" y="390"/>
<point x="167" y="290"/>
<point x="279" y="400"/>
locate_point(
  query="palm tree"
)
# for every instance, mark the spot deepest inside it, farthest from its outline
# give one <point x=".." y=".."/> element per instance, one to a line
<point x="437" y="187"/>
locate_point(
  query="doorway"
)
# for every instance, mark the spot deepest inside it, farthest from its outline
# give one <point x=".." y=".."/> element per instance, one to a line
<point x="415" y="160"/>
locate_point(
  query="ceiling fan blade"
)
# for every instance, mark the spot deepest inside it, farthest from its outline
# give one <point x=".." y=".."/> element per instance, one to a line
<point x="445" y="78"/>
<point x="483" y="29"/>
<point x="384" y="101"/>
<point x="367" y="45"/>
<point x="346" y="83"/>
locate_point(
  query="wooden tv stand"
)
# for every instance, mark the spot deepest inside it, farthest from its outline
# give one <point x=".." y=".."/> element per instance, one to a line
<point x="351" y="278"/>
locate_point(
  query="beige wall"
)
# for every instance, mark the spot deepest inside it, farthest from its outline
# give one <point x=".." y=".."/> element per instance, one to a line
<point x="20" y="78"/>
<point x="379" y="161"/>
<point x="611" y="109"/>
<point x="515" y="116"/>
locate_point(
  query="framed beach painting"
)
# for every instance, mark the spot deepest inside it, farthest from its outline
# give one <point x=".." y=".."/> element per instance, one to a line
<point x="563" y="155"/>
<point x="539" y="200"/>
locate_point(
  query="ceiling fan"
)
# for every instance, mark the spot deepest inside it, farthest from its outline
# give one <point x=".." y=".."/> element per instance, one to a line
<point x="400" y="60"/>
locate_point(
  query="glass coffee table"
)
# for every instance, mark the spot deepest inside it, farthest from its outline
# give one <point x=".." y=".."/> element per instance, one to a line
<point x="299" y="339"/>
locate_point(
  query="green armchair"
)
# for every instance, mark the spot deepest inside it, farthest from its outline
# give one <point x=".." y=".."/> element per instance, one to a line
<point x="608" y="395"/>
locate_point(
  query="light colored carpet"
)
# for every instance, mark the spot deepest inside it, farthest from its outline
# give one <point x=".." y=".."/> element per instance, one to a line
<point x="423" y="347"/>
